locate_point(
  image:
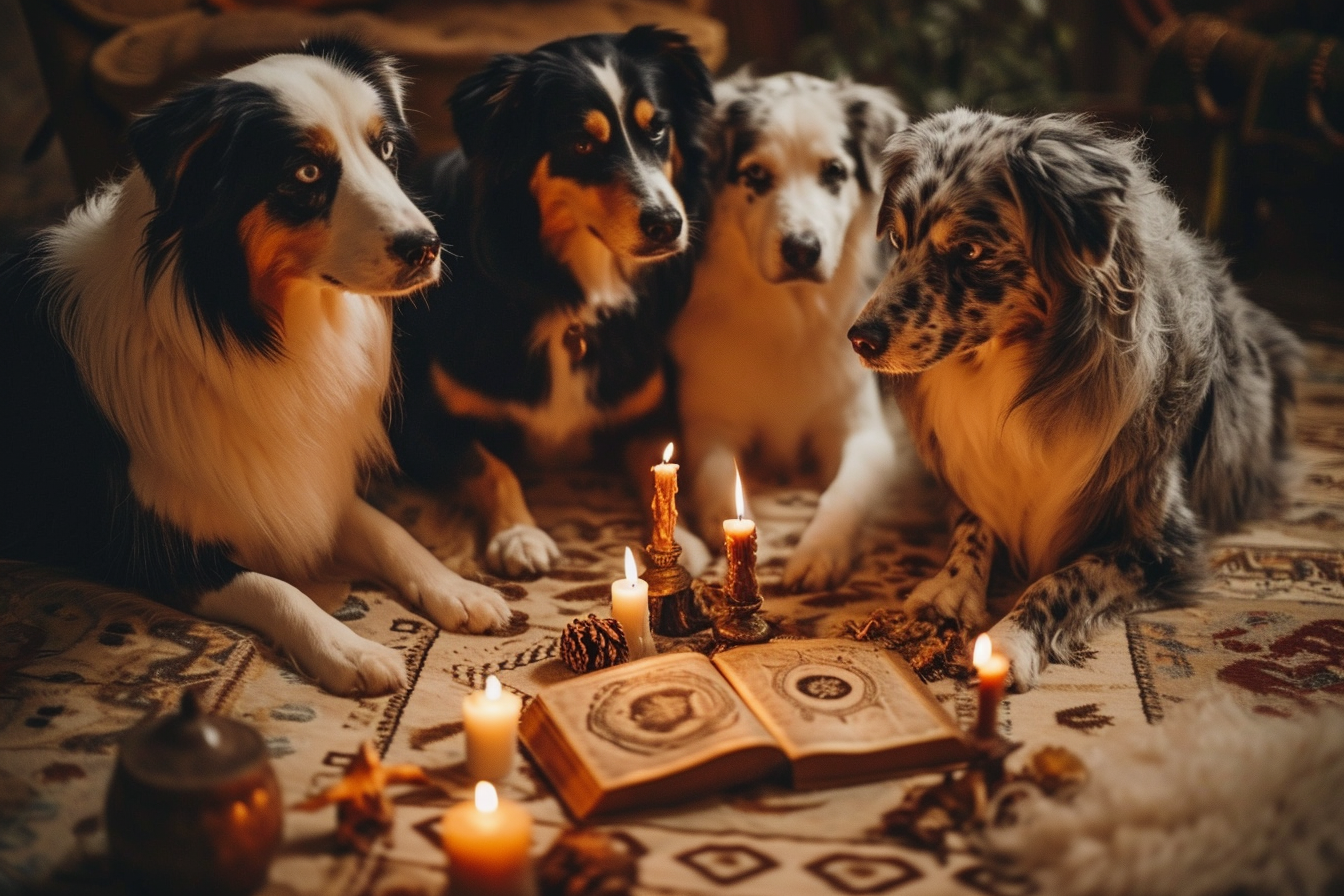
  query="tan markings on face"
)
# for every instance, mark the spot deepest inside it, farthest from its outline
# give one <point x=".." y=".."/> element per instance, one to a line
<point x="598" y="125"/>
<point x="374" y="129"/>
<point x="464" y="401"/>
<point x="320" y="141"/>
<point x="277" y="253"/>
<point x="642" y="402"/>
<point x="643" y="113"/>
<point x="672" y="167"/>
<point x="566" y="205"/>
<point x="941" y="233"/>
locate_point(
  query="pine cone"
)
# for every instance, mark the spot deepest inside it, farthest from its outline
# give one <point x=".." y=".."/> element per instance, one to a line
<point x="587" y="645"/>
<point x="587" y="863"/>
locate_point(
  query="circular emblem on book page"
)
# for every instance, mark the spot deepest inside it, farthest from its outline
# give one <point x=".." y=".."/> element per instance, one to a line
<point x="653" y="715"/>
<point x="829" y="688"/>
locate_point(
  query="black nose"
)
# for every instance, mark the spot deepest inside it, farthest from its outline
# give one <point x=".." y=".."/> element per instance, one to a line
<point x="869" y="340"/>
<point x="661" y="225"/>
<point x="801" y="250"/>
<point x="418" y="248"/>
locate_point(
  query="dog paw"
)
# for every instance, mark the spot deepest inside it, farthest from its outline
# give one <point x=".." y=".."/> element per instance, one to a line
<point x="1025" y="658"/>
<point x="695" y="555"/>
<point x="456" y="604"/>
<point x="818" y="563"/>
<point x="521" y="551"/>
<point x="944" y="596"/>
<point x="351" y="666"/>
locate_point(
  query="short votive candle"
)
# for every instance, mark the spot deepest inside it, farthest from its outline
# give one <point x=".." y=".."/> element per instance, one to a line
<point x="490" y="718"/>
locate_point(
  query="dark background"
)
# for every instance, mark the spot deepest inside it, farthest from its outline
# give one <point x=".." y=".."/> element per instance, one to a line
<point x="1273" y="196"/>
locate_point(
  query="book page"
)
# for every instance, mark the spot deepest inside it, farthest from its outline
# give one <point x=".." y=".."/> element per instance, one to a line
<point x="651" y="718"/>
<point x="834" y="696"/>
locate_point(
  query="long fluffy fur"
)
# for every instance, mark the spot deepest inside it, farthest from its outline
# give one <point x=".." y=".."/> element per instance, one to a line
<point x="1214" y="800"/>
<point x="1077" y="368"/>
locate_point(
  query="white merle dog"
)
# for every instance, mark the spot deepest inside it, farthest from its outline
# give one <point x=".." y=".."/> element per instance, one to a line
<point x="763" y="363"/>
<point x="1078" y="369"/>
<point x="194" y="366"/>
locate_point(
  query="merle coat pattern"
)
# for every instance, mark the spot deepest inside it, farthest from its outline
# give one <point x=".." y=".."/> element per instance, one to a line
<point x="1079" y="370"/>
<point x="574" y="210"/>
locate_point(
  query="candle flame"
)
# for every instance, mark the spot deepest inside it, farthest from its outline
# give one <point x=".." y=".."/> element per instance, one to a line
<point x="487" y="799"/>
<point x="630" y="572"/>
<point x="667" y="453"/>
<point x="741" y="501"/>
<point x="982" y="651"/>
<point x="493" y="689"/>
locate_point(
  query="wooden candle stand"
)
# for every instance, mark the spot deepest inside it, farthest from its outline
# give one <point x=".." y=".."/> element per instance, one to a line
<point x="673" y="608"/>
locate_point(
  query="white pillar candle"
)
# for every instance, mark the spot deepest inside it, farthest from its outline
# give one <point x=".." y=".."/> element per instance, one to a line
<point x="491" y="720"/>
<point x="488" y="841"/>
<point x="630" y="607"/>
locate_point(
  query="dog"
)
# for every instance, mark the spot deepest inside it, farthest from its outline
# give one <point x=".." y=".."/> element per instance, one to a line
<point x="195" y="365"/>
<point x="1077" y="368"/>
<point x="761" y="355"/>
<point x="574" y="203"/>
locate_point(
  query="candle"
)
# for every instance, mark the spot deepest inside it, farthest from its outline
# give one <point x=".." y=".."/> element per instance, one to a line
<point x="739" y="545"/>
<point x="665" y="502"/>
<point x="487" y="843"/>
<point x="992" y="669"/>
<point x="491" y="721"/>
<point x="630" y="607"/>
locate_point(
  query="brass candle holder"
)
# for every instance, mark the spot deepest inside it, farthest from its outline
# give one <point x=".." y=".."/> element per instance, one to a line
<point x="738" y="618"/>
<point x="673" y="608"/>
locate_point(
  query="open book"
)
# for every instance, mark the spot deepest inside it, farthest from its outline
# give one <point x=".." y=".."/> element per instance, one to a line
<point x="680" y="725"/>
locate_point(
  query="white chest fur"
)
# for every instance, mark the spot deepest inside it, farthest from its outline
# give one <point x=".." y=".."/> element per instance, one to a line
<point x="1023" y="483"/>
<point x="261" y="453"/>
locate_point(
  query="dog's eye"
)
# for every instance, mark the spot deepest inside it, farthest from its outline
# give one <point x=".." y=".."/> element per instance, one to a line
<point x="657" y="133"/>
<point x="833" y="172"/>
<point x="757" y="177"/>
<point x="387" y="149"/>
<point x="897" y="241"/>
<point x="970" y="251"/>
<point x="583" y="147"/>
<point x="307" y="174"/>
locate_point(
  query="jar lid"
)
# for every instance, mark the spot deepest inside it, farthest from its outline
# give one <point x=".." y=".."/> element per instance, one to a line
<point x="191" y="749"/>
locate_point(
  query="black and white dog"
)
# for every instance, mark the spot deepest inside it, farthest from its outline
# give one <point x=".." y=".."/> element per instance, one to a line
<point x="762" y="360"/>
<point x="573" y="204"/>
<point x="1078" y="369"/>
<point x="194" y="366"/>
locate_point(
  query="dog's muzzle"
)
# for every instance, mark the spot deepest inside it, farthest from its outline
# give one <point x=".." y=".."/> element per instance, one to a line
<point x="869" y="339"/>
<point x="416" y="249"/>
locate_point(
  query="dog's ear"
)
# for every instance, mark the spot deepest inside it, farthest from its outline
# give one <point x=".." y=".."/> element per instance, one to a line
<point x="1071" y="182"/>
<point x="480" y="96"/>
<point x="898" y="160"/>
<point x="182" y="143"/>
<point x="729" y="135"/>
<point x="873" y="115"/>
<point x="683" y="69"/>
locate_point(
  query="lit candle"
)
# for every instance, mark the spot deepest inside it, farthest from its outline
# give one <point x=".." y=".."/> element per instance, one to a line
<point x="992" y="669"/>
<point x="630" y="607"/>
<point x="665" y="502"/>
<point x="739" y="545"/>
<point x="487" y="843"/>
<point x="491" y="721"/>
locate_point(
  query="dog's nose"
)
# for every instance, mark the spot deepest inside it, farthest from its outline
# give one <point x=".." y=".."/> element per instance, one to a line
<point x="661" y="225"/>
<point x="418" y="248"/>
<point x="801" y="250"/>
<point x="869" y="340"/>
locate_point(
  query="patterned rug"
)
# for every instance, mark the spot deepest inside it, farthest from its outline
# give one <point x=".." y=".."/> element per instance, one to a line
<point x="79" y="665"/>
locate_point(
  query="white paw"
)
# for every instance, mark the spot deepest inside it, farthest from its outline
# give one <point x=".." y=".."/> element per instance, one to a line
<point x="821" y="561"/>
<point x="695" y="555"/>
<point x="521" y="551"/>
<point x="945" y="596"/>
<point x="1026" y="659"/>
<point x="455" y="604"/>
<point x="352" y="666"/>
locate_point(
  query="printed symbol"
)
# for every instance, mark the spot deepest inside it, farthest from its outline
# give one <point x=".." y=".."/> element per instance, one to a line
<point x="824" y="687"/>
<point x="851" y="873"/>
<point x="654" y="714"/>
<point x="727" y="864"/>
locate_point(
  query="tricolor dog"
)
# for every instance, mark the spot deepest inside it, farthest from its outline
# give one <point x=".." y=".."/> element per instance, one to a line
<point x="573" y="208"/>
<point x="194" y="366"/>
<point x="764" y="367"/>
<point x="1079" y="370"/>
